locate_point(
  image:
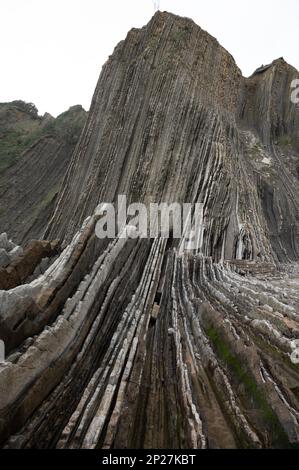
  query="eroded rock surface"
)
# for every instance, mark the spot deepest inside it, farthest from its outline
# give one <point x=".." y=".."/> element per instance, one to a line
<point x="141" y="343"/>
<point x="9" y="251"/>
<point x="173" y="120"/>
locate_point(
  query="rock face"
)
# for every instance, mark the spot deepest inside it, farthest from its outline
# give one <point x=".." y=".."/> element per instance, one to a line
<point x="186" y="126"/>
<point x="139" y="342"/>
<point x="34" y="155"/>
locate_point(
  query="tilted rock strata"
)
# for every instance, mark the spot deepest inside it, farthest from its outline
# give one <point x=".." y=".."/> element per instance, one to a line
<point x="172" y="119"/>
<point x="156" y="349"/>
<point x="141" y="343"/>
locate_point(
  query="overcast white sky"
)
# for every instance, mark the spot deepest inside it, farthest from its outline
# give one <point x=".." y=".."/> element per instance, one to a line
<point x="52" y="51"/>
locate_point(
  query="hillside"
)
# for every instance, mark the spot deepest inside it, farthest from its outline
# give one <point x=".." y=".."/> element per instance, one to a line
<point x="34" y="155"/>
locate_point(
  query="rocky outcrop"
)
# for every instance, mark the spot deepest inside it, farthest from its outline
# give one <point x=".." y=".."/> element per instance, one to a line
<point x="22" y="263"/>
<point x="168" y="350"/>
<point x="186" y="126"/>
<point x="142" y="343"/>
<point x="9" y="251"/>
<point x="34" y="155"/>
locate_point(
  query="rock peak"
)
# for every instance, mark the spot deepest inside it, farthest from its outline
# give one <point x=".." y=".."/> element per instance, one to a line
<point x="148" y="342"/>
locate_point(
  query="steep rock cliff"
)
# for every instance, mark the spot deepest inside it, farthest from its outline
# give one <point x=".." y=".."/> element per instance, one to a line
<point x="172" y="119"/>
<point x="140" y="343"/>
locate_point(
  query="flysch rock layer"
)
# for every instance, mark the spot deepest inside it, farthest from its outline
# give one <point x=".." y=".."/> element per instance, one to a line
<point x="173" y="120"/>
<point x="140" y="343"/>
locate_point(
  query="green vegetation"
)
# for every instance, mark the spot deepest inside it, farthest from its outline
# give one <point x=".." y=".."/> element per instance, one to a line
<point x="20" y="127"/>
<point x="12" y="145"/>
<point x="252" y="391"/>
<point x="67" y="125"/>
<point x="285" y="140"/>
<point x="28" y="108"/>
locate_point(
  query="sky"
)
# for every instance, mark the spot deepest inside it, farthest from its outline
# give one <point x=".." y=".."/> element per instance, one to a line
<point x="52" y="51"/>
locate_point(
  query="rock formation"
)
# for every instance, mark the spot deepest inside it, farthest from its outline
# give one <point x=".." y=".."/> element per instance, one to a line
<point x="139" y="343"/>
<point x="34" y="154"/>
<point x="9" y="251"/>
<point x="186" y="126"/>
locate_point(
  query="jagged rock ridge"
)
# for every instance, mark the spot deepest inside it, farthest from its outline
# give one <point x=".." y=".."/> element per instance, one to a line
<point x="136" y="343"/>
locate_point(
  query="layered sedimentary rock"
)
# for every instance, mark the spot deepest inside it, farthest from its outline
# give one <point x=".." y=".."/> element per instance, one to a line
<point x="172" y="119"/>
<point x="142" y="343"/>
<point x="34" y="155"/>
<point x="151" y="349"/>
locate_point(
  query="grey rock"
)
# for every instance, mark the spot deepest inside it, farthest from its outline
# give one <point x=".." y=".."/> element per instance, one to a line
<point x="142" y="343"/>
<point x="16" y="252"/>
<point x="4" y="258"/>
<point x="4" y="243"/>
